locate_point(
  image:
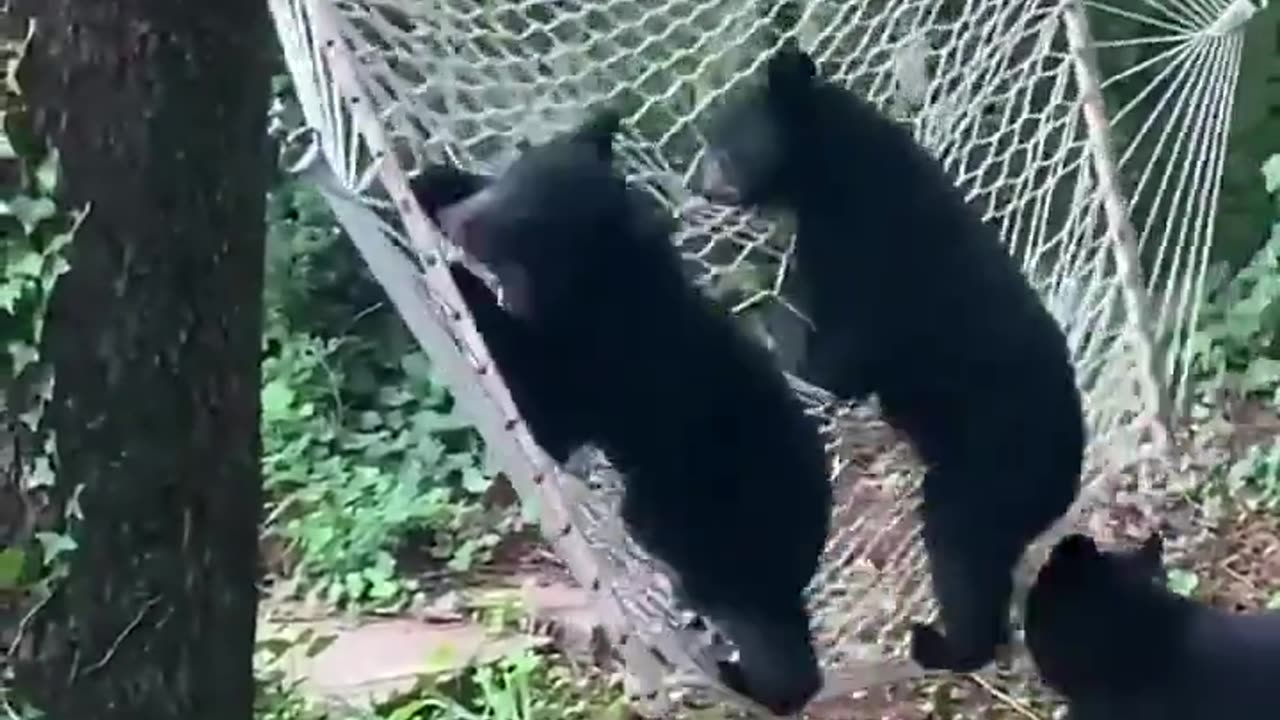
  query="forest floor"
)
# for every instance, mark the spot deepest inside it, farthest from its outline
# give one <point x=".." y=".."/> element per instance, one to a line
<point x="1224" y="547"/>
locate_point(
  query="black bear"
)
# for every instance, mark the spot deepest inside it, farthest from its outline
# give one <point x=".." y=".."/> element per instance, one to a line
<point x="726" y="477"/>
<point x="913" y="298"/>
<point x="1105" y="632"/>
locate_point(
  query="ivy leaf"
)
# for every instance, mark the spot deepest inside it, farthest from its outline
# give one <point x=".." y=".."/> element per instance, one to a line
<point x="1183" y="582"/>
<point x="55" y="544"/>
<point x="1271" y="174"/>
<point x="356" y="585"/>
<point x="383" y="588"/>
<point x="42" y="474"/>
<point x="32" y="211"/>
<point x="47" y="175"/>
<point x="474" y="480"/>
<point x="277" y="398"/>
<point x="1262" y="373"/>
<point x="12" y="560"/>
<point x="22" y="354"/>
<point x="463" y="557"/>
<point x="416" y="367"/>
<point x="394" y="397"/>
<point x="10" y="292"/>
<point x="29" y="264"/>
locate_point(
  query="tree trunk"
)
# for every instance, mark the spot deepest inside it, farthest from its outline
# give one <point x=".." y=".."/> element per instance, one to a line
<point x="158" y="108"/>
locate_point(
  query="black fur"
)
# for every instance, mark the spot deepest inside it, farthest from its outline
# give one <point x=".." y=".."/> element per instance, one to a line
<point x="530" y="369"/>
<point x="1105" y="631"/>
<point x="914" y="299"/>
<point x="726" y="479"/>
<point x="438" y="186"/>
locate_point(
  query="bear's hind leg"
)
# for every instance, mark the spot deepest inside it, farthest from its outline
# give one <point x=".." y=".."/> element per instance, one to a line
<point x="777" y="666"/>
<point x="971" y="569"/>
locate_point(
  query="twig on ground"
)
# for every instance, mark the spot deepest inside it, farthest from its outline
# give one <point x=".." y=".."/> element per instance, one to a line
<point x="1013" y="703"/>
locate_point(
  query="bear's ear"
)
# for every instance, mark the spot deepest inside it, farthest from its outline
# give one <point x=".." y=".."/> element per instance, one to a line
<point x="790" y="69"/>
<point x="599" y="129"/>
<point x="1074" y="547"/>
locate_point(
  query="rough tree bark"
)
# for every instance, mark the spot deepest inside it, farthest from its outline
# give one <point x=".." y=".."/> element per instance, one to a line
<point x="158" y="108"/>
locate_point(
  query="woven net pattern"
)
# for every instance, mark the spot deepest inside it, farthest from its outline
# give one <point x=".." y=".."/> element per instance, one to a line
<point x="1092" y="136"/>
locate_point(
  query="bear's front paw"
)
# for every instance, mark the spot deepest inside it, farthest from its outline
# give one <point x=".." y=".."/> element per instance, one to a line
<point x="475" y="293"/>
<point x="732" y="677"/>
<point x="929" y="649"/>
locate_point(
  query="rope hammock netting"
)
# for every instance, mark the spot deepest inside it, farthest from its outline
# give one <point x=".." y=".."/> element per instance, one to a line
<point x="1091" y="134"/>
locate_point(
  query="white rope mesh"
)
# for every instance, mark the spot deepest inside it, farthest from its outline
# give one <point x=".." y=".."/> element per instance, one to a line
<point x="1009" y="94"/>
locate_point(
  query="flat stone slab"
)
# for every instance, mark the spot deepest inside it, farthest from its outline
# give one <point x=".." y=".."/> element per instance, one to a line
<point x="375" y="660"/>
<point x="568" y="613"/>
<point x="347" y="662"/>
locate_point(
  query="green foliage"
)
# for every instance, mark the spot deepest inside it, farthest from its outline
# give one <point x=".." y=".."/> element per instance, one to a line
<point x="315" y="279"/>
<point x="499" y="610"/>
<point x="35" y="236"/>
<point x="363" y="453"/>
<point x="35" y="233"/>
<point x="1237" y="342"/>
<point x="355" y="482"/>
<point x="1244" y="209"/>
<point x="1183" y="582"/>
<point x="1255" y="478"/>
<point x="523" y="685"/>
<point x="1237" y="347"/>
<point x="1271" y="175"/>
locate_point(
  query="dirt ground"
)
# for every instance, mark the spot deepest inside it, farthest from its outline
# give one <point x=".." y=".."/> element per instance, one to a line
<point x="1234" y="552"/>
<point x="1232" y="549"/>
<point x="1235" y="555"/>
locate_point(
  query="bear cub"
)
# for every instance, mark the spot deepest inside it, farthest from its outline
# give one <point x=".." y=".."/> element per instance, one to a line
<point x="1106" y="632"/>
<point x="914" y="299"/>
<point x="609" y="344"/>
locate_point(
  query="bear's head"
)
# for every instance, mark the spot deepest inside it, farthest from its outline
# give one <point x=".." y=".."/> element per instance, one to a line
<point x="750" y="139"/>
<point x="553" y="215"/>
<point x="1086" y="607"/>
<point x="1077" y="560"/>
